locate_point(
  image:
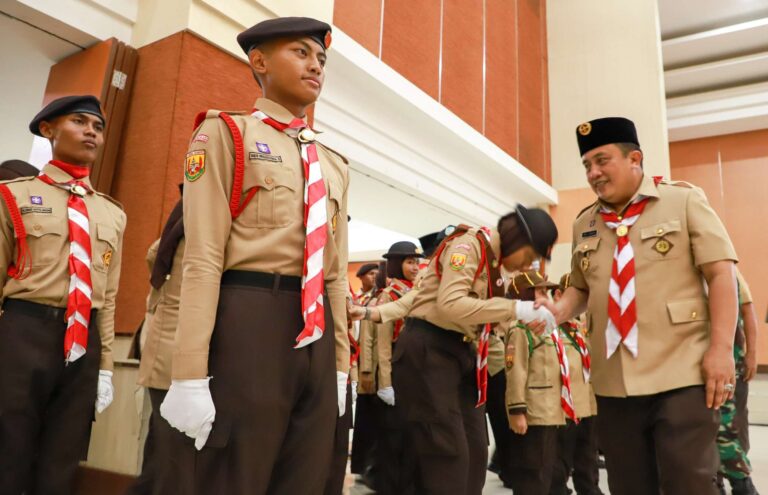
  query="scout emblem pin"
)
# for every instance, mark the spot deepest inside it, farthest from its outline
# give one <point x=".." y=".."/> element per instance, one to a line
<point x="307" y="135"/>
<point x="585" y="129"/>
<point x="662" y="246"/>
<point x="622" y="230"/>
<point x="107" y="258"/>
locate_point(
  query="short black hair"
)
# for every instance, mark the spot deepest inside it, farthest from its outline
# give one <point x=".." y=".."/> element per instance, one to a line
<point x="627" y="148"/>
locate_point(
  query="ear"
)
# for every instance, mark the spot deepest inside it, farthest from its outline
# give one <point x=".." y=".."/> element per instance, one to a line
<point x="258" y="60"/>
<point x="46" y="129"/>
<point x="636" y="156"/>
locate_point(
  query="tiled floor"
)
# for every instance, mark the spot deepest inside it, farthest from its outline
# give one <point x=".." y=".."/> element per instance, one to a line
<point x="758" y="456"/>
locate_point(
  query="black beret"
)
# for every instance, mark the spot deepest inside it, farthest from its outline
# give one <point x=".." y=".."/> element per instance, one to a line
<point x="12" y="169"/>
<point x="65" y="106"/>
<point x="285" y="27"/>
<point x="540" y="229"/>
<point x="608" y="130"/>
<point x="404" y="249"/>
<point x="430" y="242"/>
<point x="366" y="268"/>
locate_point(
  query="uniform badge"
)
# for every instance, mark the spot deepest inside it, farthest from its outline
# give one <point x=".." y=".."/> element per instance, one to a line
<point x="585" y="129"/>
<point x="107" y="258"/>
<point x="195" y="165"/>
<point x="509" y="355"/>
<point x="499" y="282"/>
<point x="591" y="233"/>
<point x="263" y="148"/>
<point x="662" y="246"/>
<point x="463" y="246"/>
<point x="458" y="261"/>
<point x="36" y="200"/>
<point x="201" y="138"/>
<point x="584" y="263"/>
<point x="591" y="223"/>
<point x="334" y="221"/>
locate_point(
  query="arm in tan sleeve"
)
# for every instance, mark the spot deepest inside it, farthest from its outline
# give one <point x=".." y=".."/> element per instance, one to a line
<point x="709" y="239"/>
<point x="495" y="354"/>
<point x="105" y="316"/>
<point x="453" y="300"/>
<point x="338" y="289"/>
<point x="207" y="223"/>
<point x="7" y="244"/>
<point x="517" y="374"/>
<point x="745" y="295"/>
<point x="384" y="334"/>
<point x="397" y="310"/>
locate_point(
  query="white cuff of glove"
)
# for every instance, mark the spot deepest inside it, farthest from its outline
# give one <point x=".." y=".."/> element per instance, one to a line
<point x="105" y="392"/>
<point x="387" y="394"/>
<point x="527" y="313"/>
<point x="354" y="391"/>
<point x="341" y="389"/>
<point x="189" y="408"/>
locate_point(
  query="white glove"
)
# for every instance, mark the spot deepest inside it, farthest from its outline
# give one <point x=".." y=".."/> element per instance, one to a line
<point x="105" y="392"/>
<point x="341" y="389"/>
<point x="189" y="408"/>
<point x="526" y="313"/>
<point x="354" y="391"/>
<point x="387" y="394"/>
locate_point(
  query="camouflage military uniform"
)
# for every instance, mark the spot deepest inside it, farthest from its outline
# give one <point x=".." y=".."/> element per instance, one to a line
<point x="732" y="438"/>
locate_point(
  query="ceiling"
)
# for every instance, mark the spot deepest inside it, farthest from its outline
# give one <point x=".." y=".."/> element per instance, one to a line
<point x="715" y="55"/>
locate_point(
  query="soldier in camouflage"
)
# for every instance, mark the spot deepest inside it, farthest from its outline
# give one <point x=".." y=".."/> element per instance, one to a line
<point x="733" y="436"/>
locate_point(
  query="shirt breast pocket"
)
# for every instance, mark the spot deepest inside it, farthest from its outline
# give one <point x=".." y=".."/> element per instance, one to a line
<point x="278" y="201"/>
<point x="585" y="254"/>
<point x="662" y="241"/>
<point x="104" y="248"/>
<point x="46" y="236"/>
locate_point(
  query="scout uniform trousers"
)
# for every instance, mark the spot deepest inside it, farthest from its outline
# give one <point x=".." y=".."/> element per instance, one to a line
<point x="497" y="417"/>
<point x="46" y="408"/>
<point x="276" y="406"/>
<point x="673" y="429"/>
<point x="577" y="457"/>
<point x="338" y="471"/>
<point x="364" y="436"/>
<point x="157" y="450"/>
<point x="433" y="373"/>
<point x="531" y="459"/>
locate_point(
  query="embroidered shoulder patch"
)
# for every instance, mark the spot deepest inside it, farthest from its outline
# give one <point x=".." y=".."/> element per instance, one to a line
<point x="195" y="165"/>
<point x="201" y="138"/>
<point x="458" y="261"/>
<point x="463" y="246"/>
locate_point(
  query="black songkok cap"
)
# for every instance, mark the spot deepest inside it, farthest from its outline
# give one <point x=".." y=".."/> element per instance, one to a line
<point x="285" y="27"/>
<point x="65" y="106"/>
<point x="609" y="130"/>
<point x="366" y="268"/>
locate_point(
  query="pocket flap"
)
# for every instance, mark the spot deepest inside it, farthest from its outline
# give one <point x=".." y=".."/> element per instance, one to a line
<point x="268" y="177"/>
<point x="688" y="310"/>
<point x="587" y="245"/>
<point x="660" y="229"/>
<point x="39" y="226"/>
<point x="107" y="234"/>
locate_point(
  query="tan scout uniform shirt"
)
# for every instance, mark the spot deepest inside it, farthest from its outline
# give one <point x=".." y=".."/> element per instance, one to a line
<point x="385" y="333"/>
<point x="457" y="301"/>
<point x="534" y="382"/>
<point x="162" y="317"/>
<point x="745" y="296"/>
<point x="367" y="361"/>
<point x="267" y="237"/>
<point x="47" y="228"/>
<point x="672" y="307"/>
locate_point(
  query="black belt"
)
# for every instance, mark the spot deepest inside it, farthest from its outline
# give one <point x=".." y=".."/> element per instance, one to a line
<point x="37" y="310"/>
<point x="274" y="281"/>
<point x="441" y="332"/>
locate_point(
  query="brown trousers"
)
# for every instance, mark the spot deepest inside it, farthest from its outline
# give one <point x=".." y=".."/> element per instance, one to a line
<point x="157" y="449"/>
<point x="335" y="483"/>
<point x="577" y="457"/>
<point x="496" y="407"/>
<point x="531" y="458"/>
<point x="46" y="408"/>
<point x="433" y="373"/>
<point x="364" y="435"/>
<point x="662" y="443"/>
<point x="276" y="406"/>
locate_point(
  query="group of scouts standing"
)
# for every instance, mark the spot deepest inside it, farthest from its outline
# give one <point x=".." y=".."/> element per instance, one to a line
<point x="254" y="348"/>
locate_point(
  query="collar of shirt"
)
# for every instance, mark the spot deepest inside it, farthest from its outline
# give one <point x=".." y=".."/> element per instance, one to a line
<point x="647" y="189"/>
<point x="275" y="110"/>
<point x="60" y="176"/>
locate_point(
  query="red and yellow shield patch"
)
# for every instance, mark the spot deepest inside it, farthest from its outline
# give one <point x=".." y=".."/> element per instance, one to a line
<point x="458" y="260"/>
<point x="194" y="167"/>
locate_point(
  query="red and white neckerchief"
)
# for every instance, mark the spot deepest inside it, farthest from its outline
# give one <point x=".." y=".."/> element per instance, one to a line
<point x="79" y="304"/>
<point x="622" y="312"/>
<point x="566" y="397"/>
<point x="581" y="345"/>
<point x="485" y="334"/>
<point x="399" y="284"/>
<point x="316" y="227"/>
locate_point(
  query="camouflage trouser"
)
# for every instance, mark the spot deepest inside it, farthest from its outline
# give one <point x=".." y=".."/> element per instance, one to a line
<point x="733" y="436"/>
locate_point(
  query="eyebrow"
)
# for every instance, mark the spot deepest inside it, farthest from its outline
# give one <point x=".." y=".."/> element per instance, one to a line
<point x="586" y="161"/>
<point x="309" y="49"/>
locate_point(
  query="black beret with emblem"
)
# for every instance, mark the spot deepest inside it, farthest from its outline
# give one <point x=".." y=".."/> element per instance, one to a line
<point x="608" y="130"/>
<point x="404" y="249"/>
<point x="366" y="268"/>
<point x="285" y="27"/>
<point x="430" y="242"/>
<point x="65" y="106"/>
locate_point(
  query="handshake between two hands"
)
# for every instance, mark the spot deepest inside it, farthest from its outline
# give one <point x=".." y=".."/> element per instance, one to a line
<point x="537" y="315"/>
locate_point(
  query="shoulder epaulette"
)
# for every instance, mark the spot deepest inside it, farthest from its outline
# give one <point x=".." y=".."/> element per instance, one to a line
<point x="214" y="114"/>
<point x="111" y="200"/>
<point x="343" y="158"/>
<point x="19" y="179"/>
<point x="678" y="183"/>
<point x="585" y="209"/>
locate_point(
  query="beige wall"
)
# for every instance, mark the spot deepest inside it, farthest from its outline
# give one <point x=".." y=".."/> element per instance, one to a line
<point x="604" y="60"/>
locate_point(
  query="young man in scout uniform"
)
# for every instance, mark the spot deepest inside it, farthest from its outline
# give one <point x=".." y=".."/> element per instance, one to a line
<point x="60" y="257"/>
<point x="662" y="349"/>
<point x="264" y="291"/>
<point x="367" y="275"/>
<point x="733" y="436"/>
<point x="440" y="362"/>
<point x="164" y="258"/>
